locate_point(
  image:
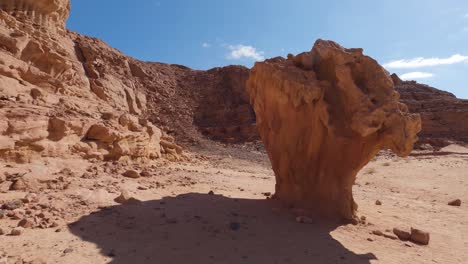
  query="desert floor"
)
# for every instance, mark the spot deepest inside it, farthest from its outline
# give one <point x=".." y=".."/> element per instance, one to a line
<point x="178" y="221"/>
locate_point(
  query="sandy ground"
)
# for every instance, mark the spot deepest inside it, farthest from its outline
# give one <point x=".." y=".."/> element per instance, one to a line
<point x="178" y="221"/>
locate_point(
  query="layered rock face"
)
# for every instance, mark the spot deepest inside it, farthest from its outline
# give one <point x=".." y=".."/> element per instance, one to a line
<point x="224" y="113"/>
<point x="56" y="99"/>
<point x="444" y="117"/>
<point x="65" y="94"/>
<point x="322" y="116"/>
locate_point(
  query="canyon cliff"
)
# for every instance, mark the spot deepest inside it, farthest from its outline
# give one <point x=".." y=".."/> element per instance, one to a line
<point x="65" y="94"/>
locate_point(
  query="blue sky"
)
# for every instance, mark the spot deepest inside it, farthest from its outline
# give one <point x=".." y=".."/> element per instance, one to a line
<point x="425" y="40"/>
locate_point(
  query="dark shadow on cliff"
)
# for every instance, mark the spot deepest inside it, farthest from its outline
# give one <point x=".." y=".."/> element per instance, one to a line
<point x="201" y="228"/>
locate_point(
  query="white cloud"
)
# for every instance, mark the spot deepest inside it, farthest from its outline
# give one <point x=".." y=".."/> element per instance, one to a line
<point x="206" y="45"/>
<point x="238" y="52"/>
<point x="416" y="75"/>
<point x="425" y="62"/>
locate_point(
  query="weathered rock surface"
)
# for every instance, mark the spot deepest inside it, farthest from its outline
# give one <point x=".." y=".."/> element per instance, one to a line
<point x="62" y="94"/>
<point x="58" y="98"/>
<point x="322" y="116"/>
<point x="444" y="117"/>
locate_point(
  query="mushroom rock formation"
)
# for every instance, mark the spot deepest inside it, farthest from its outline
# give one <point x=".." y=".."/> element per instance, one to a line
<point x="323" y="115"/>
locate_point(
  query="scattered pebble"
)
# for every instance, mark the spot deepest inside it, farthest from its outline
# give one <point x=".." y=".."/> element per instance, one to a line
<point x="377" y="232"/>
<point x="145" y="173"/>
<point x="68" y="250"/>
<point x="420" y="237"/>
<point x="378" y="202"/>
<point x="304" y="220"/>
<point x="390" y="236"/>
<point x="456" y="202"/>
<point x="17" y="231"/>
<point x="131" y="174"/>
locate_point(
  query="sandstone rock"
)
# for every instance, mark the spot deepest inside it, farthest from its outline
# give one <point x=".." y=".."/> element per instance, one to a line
<point x="19" y="185"/>
<point x="17" y="231"/>
<point x="125" y="197"/>
<point x="131" y="174"/>
<point x="322" y="117"/>
<point x="456" y="202"/>
<point x="402" y="234"/>
<point x="390" y="236"/>
<point x="2" y="231"/>
<point x="420" y="237"/>
<point x="26" y="223"/>
<point x="377" y="232"/>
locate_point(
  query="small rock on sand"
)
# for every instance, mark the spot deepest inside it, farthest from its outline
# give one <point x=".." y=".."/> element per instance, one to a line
<point x="378" y="202"/>
<point x="125" y="197"/>
<point x="304" y="220"/>
<point x="17" y="231"/>
<point x="420" y="237"/>
<point x="145" y="173"/>
<point x="26" y="223"/>
<point x="456" y="202"/>
<point x="2" y="231"/>
<point x="377" y="233"/>
<point x="131" y="174"/>
<point x="19" y="185"/>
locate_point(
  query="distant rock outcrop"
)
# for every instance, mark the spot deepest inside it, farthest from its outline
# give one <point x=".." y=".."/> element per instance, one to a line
<point x="322" y="116"/>
<point x="444" y="117"/>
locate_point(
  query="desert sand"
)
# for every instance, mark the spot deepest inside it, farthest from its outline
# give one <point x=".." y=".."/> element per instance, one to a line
<point x="179" y="221"/>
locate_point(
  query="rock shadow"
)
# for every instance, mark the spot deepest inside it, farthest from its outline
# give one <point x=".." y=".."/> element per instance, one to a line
<point x="202" y="228"/>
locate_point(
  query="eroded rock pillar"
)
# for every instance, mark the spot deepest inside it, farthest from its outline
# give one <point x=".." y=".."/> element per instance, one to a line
<point x="322" y="116"/>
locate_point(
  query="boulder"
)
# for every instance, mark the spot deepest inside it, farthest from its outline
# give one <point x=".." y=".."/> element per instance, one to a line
<point x="323" y="115"/>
